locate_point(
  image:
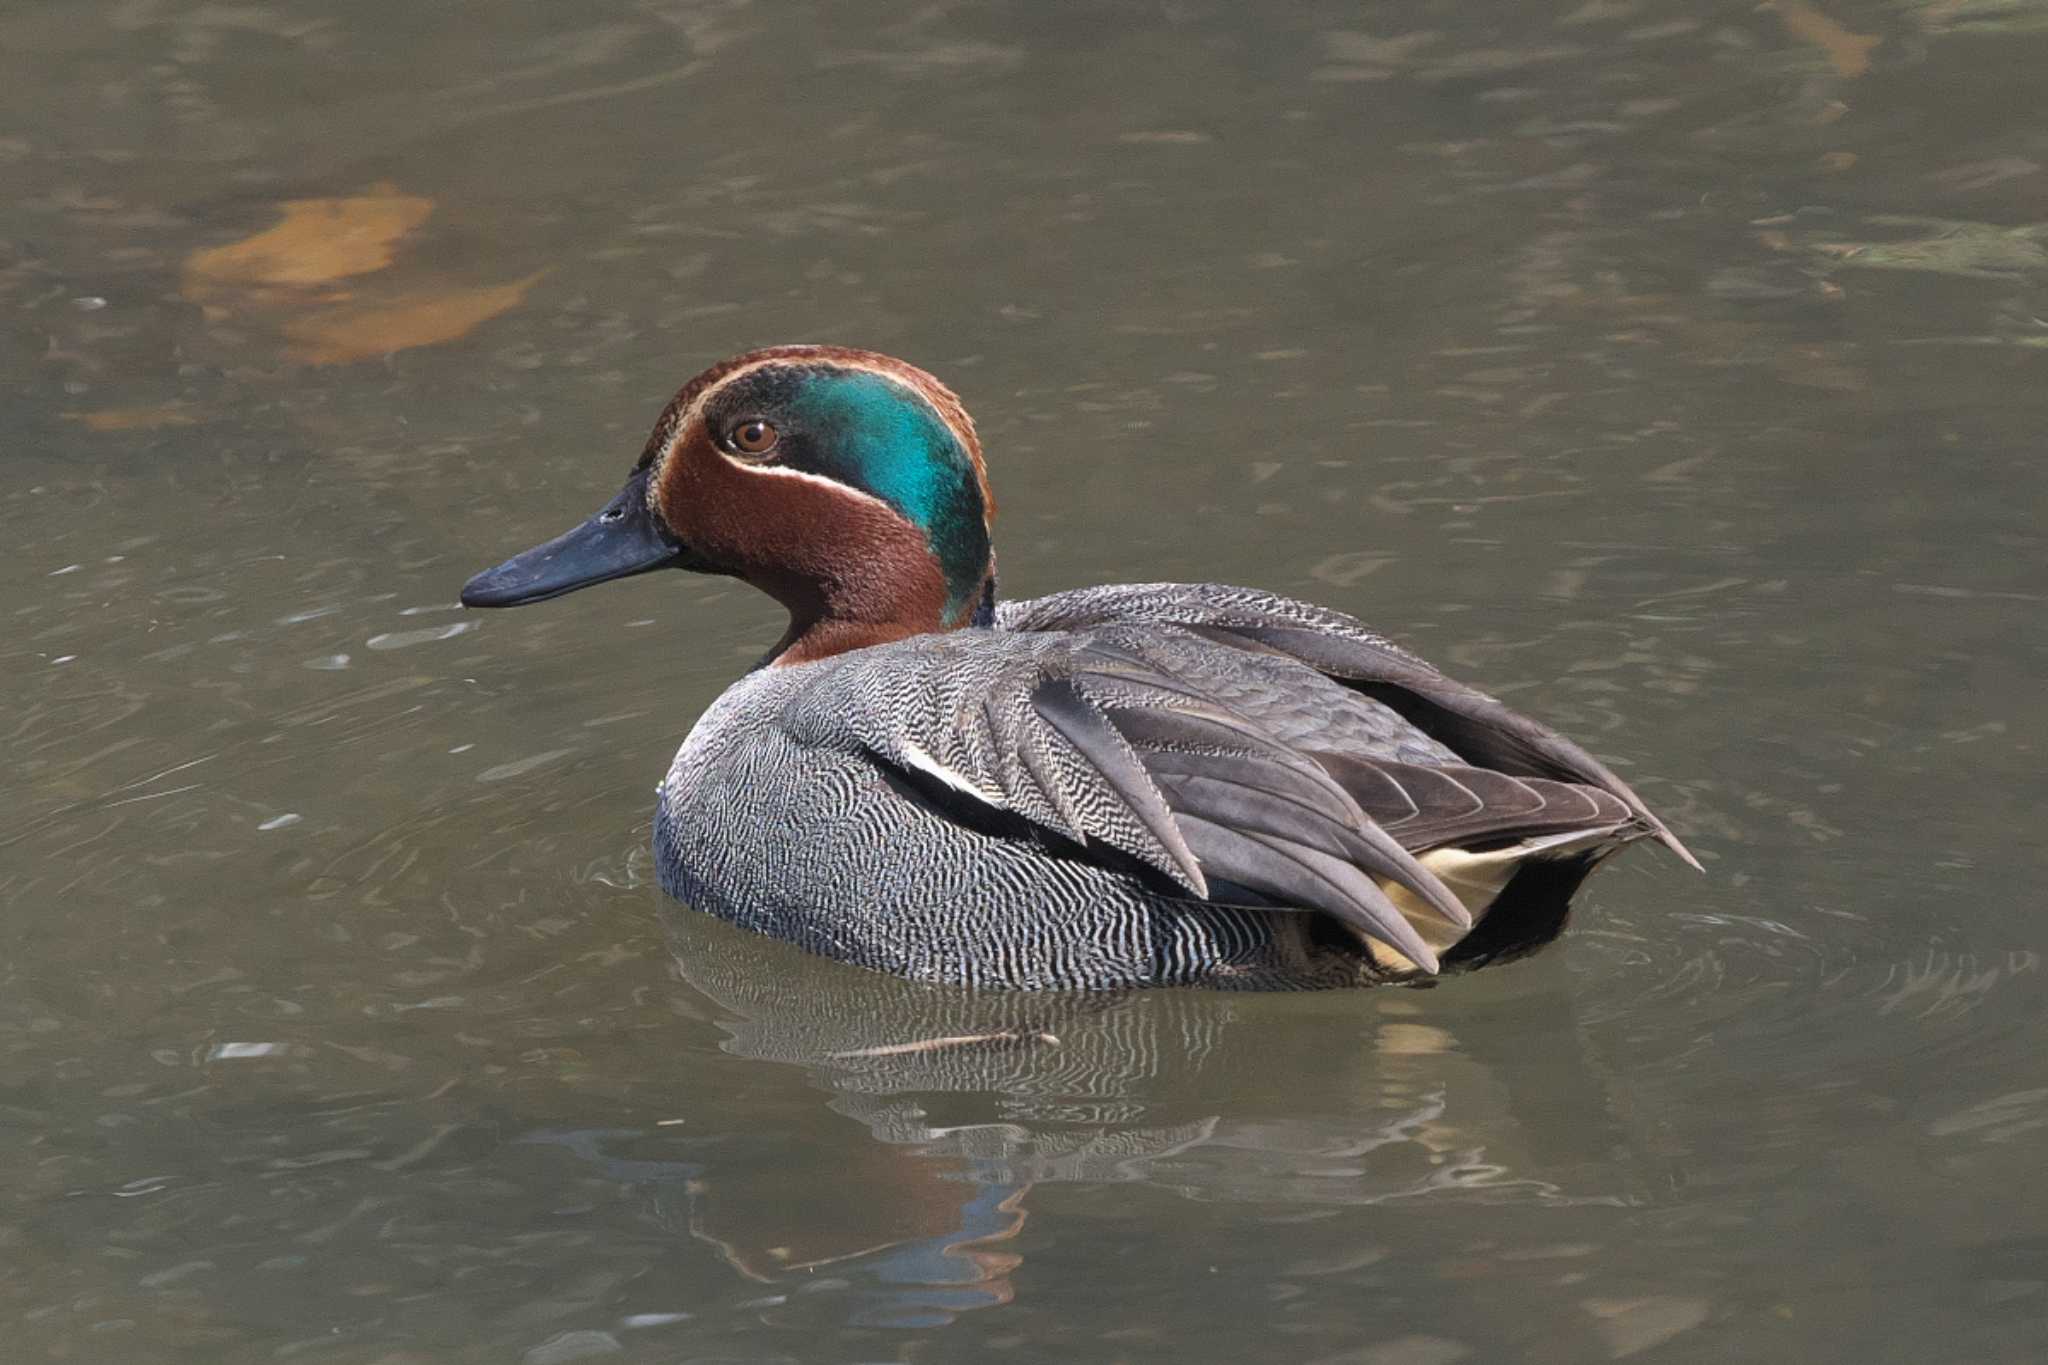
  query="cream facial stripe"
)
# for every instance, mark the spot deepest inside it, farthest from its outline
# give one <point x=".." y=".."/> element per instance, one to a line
<point x="784" y="472"/>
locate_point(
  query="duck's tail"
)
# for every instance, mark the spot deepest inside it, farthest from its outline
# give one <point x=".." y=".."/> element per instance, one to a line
<point x="1519" y="896"/>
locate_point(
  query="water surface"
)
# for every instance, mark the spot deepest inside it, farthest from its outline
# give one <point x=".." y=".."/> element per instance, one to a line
<point x="1675" y="370"/>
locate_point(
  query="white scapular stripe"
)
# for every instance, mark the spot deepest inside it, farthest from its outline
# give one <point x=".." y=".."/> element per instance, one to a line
<point x="931" y="767"/>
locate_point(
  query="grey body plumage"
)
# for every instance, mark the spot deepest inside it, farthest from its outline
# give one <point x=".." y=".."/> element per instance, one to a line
<point x="923" y="807"/>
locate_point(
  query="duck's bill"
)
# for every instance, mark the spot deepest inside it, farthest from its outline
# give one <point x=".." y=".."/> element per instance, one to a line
<point x="620" y="541"/>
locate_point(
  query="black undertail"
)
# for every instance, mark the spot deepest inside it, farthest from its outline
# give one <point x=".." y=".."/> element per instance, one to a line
<point x="1529" y="913"/>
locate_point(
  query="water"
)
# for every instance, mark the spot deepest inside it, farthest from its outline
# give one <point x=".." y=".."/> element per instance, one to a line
<point x="1675" y="370"/>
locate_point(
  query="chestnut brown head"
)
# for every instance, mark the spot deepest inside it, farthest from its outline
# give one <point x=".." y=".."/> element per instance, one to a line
<point x="846" y="484"/>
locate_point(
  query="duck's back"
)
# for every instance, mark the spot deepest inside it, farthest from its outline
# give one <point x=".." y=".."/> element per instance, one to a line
<point x="1135" y="785"/>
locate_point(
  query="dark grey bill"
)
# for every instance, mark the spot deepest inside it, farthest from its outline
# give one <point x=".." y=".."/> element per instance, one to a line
<point x="622" y="540"/>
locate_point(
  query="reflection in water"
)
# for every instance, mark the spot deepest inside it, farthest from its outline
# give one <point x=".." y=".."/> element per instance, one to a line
<point x="973" y="1098"/>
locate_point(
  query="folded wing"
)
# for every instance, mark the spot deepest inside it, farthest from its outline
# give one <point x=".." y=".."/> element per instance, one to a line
<point x="1493" y="741"/>
<point x="1086" y="737"/>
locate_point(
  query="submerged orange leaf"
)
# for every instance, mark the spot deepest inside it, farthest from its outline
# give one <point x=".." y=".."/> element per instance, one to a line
<point x="1850" y="52"/>
<point x="336" y="336"/>
<point x="307" y="278"/>
<point x="319" y="242"/>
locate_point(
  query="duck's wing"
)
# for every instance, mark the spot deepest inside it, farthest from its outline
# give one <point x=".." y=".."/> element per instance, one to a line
<point x="1477" y="728"/>
<point x="1430" y="806"/>
<point x="1084" y="738"/>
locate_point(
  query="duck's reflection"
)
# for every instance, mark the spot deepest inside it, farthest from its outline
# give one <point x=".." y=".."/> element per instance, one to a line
<point x="973" y="1099"/>
<point x="916" y="1239"/>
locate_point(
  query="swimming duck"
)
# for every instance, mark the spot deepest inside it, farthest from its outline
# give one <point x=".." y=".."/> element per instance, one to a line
<point x="1130" y="785"/>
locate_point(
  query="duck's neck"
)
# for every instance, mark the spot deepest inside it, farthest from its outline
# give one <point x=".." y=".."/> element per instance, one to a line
<point x="821" y="639"/>
<point x="885" y="598"/>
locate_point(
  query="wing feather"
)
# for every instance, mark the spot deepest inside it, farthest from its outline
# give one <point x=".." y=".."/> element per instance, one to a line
<point x="1477" y="727"/>
<point x="1428" y="808"/>
<point x="1295" y="874"/>
<point x="1061" y="704"/>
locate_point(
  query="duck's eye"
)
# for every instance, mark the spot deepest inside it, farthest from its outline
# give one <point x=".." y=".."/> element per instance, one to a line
<point x="752" y="437"/>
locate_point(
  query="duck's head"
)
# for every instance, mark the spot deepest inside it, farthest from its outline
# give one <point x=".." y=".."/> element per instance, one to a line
<point x="847" y="485"/>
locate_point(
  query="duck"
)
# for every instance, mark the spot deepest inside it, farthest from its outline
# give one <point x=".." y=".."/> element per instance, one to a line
<point x="1129" y="785"/>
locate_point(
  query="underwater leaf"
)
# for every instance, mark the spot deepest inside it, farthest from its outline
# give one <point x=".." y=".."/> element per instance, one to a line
<point x="308" y="278"/>
<point x="336" y="336"/>
<point x="172" y="414"/>
<point x="1849" y="52"/>
<point x="319" y="242"/>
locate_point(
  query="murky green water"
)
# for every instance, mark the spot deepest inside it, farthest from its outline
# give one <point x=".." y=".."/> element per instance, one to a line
<point x="1676" y="370"/>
